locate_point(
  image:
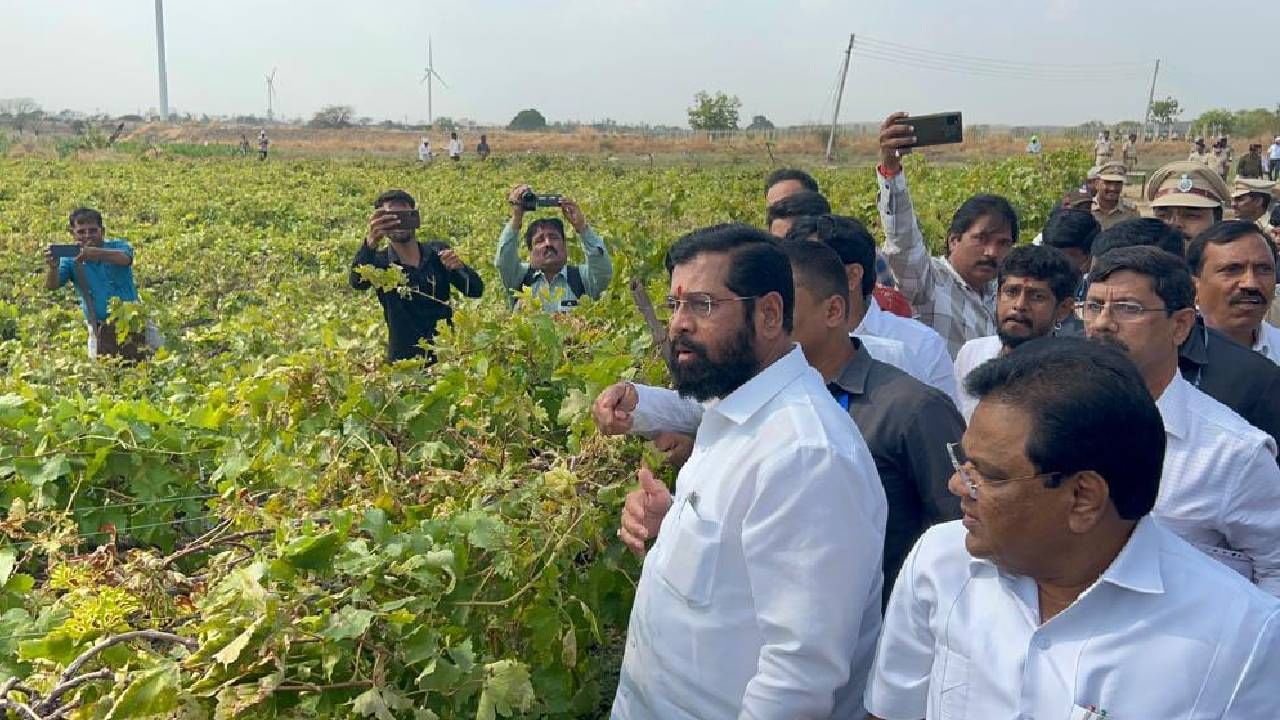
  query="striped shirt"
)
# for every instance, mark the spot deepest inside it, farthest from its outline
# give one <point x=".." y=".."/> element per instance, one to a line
<point x="941" y="298"/>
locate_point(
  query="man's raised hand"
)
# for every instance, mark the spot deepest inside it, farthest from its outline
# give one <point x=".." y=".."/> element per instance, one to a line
<point x="613" y="407"/>
<point x="643" y="511"/>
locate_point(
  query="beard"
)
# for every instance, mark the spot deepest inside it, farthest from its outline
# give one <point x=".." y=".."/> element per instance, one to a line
<point x="1012" y="341"/>
<point x="701" y="378"/>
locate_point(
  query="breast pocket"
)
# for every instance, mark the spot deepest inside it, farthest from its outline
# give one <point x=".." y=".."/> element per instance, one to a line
<point x="690" y="566"/>
<point x="953" y="698"/>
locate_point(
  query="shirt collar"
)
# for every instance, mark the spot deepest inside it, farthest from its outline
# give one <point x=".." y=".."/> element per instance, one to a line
<point x="739" y="405"/>
<point x="1195" y="349"/>
<point x="989" y="289"/>
<point x="853" y="377"/>
<point x="872" y="316"/>
<point x="1266" y="339"/>
<point x="1174" y="406"/>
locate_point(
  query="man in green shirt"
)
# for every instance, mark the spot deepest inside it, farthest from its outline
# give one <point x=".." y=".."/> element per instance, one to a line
<point x="556" y="285"/>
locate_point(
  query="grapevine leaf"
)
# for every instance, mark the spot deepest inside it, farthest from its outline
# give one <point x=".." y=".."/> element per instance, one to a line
<point x="150" y="692"/>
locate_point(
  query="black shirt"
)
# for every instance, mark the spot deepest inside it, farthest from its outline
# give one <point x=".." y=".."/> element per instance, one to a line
<point x="413" y="318"/>
<point x="906" y="425"/>
<point x="1234" y="375"/>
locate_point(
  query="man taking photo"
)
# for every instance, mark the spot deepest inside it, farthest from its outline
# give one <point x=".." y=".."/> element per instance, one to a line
<point x="429" y="270"/>
<point x="555" y="283"/>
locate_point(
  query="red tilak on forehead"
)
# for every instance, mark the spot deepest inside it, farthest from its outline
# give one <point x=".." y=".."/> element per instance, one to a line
<point x="679" y="291"/>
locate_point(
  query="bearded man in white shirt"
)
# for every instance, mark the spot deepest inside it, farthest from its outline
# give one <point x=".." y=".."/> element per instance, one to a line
<point x="1234" y="267"/>
<point x="1220" y="487"/>
<point x="760" y="598"/>
<point x="1057" y="595"/>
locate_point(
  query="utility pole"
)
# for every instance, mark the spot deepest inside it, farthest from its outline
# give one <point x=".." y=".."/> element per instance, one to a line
<point x="844" y="73"/>
<point x="1151" y="98"/>
<point x="164" y="78"/>
<point x="431" y="67"/>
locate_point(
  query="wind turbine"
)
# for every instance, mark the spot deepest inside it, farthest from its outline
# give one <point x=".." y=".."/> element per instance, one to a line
<point x="429" y="72"/>
<point x="271" y="95"/>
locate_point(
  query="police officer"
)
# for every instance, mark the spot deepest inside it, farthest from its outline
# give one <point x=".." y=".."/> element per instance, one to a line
<point x="1188" y="195"/>
<point x="1109" y="206"/>
<point x="1200" y="154"/>
<point x="1251" y="199"/>
<point x="1102" y="149"/>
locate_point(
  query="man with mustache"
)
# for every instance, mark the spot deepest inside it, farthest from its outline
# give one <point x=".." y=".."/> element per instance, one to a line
<point x="1251" y="199"/>
<point x="1220" y="485"/>
<point x="1234" y="268"/>
<point x="902" y="419"/>
<point x="1109" y="206"/>
<point x="1037" y="286"/>
<point x="1058" y="595"/>
<point x="761" y="596"/>
<point x="553" y="281"/>
<point x="1187" y="195"/>
<point x="955" y="294"/>
<point x="429" y="270"/>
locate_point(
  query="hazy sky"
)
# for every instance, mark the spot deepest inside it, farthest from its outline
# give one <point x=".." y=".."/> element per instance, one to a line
<point x="642" y="60"/>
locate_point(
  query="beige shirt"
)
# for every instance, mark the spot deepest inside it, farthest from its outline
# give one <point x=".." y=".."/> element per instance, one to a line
<point x="1124" y="210"/>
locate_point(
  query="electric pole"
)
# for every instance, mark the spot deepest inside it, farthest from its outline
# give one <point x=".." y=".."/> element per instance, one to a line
<point x="844" y="73"/>
<point x="164" y="78"/>
<point x="1151" y="98"/>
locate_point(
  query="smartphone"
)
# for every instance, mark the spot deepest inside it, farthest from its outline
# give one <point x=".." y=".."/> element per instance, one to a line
<point x="937" y="129"/>
<point x="549" y="200"/>
<point x="64" y="251"/>
<point x="409" y="219"/>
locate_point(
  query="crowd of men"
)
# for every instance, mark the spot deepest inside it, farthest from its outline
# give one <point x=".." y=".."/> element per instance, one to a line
<point x="1087" y="526"/>
<point x="1030" y="481"/>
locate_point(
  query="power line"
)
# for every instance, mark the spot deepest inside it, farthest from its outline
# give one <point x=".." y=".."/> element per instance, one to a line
<point x="973" y="59"/>
<point x="946" y="66"/>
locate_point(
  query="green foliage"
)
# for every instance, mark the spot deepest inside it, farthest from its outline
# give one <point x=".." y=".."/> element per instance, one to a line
<point x="340" y="537"/>
<point x="1166" y="111"/>
<point x="714" y="112"/>
<point x="1218" y="120"/>
<point x="528" y="119"/>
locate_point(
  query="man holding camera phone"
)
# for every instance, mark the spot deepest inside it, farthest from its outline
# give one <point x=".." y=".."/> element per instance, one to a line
<point x="429" y="269"/>
<point x="557" y="284"/>
<point x="101" y="268"/>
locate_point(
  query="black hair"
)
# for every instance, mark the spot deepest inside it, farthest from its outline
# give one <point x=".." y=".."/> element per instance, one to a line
<point x="396" y="195"/>
<point x="1089" y="409"/>
<point x="84" y="216"/>
<point x="980" y="206"/>
<point x="1223" y="233"/>
<point x="1275" y="215"/>
<point x="1140" y="231"/>
<point x="534" y="226"/>
<point x="1040" y="262"/>
<point x="756" y="266"/>
<point x="1266" y="199"/>
<point x="847" y="236"/>
<point x="783" y="174"/>
<point x="817" y="267"/>
<point x="1072" y="229"/>
<point x="1169" y="274"/>
<point x="805" y="202"/>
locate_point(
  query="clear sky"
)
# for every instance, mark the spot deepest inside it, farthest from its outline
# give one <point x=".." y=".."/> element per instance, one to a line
<point x="641" y="61"/>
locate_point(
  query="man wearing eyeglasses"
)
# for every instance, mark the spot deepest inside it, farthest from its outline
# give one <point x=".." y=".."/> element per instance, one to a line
<point x="1058" y="595"/>
<point x="1220" y="487"/>
<point x="761" y="596"/>
<point x="1037" y="286"/>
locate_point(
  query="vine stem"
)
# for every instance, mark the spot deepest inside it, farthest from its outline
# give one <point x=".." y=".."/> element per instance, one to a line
<point x="564" y="537"/>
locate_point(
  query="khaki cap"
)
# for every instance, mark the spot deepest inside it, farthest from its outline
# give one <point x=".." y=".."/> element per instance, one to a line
<point x="1187" y="183"/>
<point x="1093" y="173"/>
<point x="1112" y="171"/>
<point x="1244" y="186"/>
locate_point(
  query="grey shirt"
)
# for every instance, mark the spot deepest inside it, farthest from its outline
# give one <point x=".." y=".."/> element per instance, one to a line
<point x="907" y="426"/>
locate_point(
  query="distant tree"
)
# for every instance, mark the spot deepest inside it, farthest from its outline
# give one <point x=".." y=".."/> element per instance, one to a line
<point x="760" y="122"/>
<point x="445" y="123"/>
<point x="529" y="119"/>
<point x="24" y="111"/>
<point x="714" y="112"/>
<point x="1166" y="111"/>
<point x="1258" y="121"/>
<point x="1217" y="120"/>
<point x="333" y="116"/>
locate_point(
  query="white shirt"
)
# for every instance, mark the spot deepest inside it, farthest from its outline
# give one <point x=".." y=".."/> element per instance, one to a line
<point x="886" y="350"/>
<point x="927" y="358"/>
<point x="971" y="355"/>
<point x="1164" y="633"/>
<point x="1220" y="487"/>
<point x="761" y="596"/>
<point x="455" y="147"/>
<point x="1274" y="151"/>
<point x="1268" y="342"/>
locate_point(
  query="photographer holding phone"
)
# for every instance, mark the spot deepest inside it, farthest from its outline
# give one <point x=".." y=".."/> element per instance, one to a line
<point x="429" y="269"/>
<point x="558" y="284"/>
<point x="101" y="268"/>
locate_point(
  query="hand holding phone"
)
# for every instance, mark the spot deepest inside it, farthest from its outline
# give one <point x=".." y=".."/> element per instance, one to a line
<point x="64" y="251"/>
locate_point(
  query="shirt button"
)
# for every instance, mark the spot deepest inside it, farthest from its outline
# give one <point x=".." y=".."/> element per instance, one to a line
<point x="1042" y="643"/>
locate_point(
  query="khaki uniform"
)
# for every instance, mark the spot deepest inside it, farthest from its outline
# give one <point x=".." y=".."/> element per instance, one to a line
<point x="1124" y="210"/>
<point x="1130" y="155"/>
<point x="1247" y="186"/>
<point x="1187" y="183"/>
<point x="1204" y="158"/>
<point x="1222" y="161"/>
<point x="1102" y="151"/>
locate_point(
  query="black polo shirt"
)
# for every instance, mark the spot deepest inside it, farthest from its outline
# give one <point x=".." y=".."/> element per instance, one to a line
<point x="1234" y="375"/>
<point x="906" y="425"/>
<point x="413" y="316"/>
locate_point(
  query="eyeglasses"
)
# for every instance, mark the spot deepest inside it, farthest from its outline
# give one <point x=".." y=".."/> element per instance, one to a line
<point x="700" y="304"/>
<point x="973" y="479"/>
<point x="1120" y="310"/>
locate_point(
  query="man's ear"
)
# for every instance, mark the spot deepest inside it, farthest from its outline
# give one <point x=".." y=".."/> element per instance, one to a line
<point x="768" y="315"/>
<point x="1065" y="308"/>
<point x="1183" y="321"/>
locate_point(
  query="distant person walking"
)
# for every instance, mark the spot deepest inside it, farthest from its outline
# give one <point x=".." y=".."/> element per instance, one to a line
<point x="1102" y="149"/>
<point x="455" y="147"/>
<point x="483" y="148"/>
<point x="1273" y="158"/>
<point x="263" y="144"/>
<point x="1131" y="152"/>
<point x="424" y="151"/>
<point x="244" y="145"/>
